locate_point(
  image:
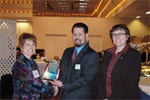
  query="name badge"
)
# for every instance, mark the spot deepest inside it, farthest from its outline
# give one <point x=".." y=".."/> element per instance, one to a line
<point x="77" y="66"/>
<point x="35" y="74"/>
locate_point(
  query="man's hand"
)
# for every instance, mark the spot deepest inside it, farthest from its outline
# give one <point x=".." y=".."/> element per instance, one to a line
<point x="57" y="83"/>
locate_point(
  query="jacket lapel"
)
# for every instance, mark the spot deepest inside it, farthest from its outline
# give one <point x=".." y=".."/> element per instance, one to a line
<point x="81" y="54"/>
<point x="71" y="64"/>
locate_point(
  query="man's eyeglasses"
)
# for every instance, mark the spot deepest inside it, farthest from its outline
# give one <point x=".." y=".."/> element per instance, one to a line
<point x="118" y="35"/>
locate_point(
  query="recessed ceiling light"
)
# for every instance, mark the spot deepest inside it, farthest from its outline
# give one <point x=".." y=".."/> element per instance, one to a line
<point x="84" y="0"/>
<point x="82" y="6"/>
<point x="83" y="3"/>
<point x="148" y="12"/>
<point x="138" y="16"/>
<point x="22" y="20"/>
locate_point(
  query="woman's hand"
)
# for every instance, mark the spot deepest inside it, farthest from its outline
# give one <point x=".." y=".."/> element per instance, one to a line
<point x="55" y="90"/>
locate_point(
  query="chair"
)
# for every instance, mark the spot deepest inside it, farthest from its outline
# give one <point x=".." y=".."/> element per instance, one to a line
<point x="6" y="86"/>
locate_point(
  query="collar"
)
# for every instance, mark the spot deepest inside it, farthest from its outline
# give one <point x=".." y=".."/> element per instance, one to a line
<point x="22" y="57"/>
<point x="113" y="49"/>
<point x="79" y="48"/>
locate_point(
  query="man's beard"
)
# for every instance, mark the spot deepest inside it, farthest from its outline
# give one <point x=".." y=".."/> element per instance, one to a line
<point x="78" y="45"/>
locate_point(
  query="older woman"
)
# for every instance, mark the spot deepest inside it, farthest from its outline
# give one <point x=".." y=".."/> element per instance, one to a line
<point x="120" y="71"/>
<point x="26" y="78"/>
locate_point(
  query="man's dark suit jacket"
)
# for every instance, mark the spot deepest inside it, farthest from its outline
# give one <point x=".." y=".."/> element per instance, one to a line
<point x="78" y="80"/>
<point x="124" y="78"/>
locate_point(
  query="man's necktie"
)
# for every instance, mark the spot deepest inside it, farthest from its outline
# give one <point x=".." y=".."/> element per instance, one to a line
<point x="74" y="55"/>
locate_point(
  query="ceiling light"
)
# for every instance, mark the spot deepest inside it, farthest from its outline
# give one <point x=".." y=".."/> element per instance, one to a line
<point x="61" y="0"/>
<point x="116" y="7"/>
<point x="138" y="16"/>
<point x="97" y="7"/>
<point x="82" y="6"/>
<point x="22" y="20"/>
<point x="84" y="0"/>
<point x="148" y="12"/>
<point x="82" y="3"/>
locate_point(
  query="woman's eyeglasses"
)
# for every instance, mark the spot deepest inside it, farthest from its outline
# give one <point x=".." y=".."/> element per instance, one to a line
<point x="118" y="35"/>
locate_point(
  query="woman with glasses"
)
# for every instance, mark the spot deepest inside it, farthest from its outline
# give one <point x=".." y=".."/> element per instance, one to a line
<point x="120" y="70"/>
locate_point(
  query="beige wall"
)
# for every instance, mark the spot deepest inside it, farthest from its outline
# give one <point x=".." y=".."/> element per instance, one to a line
<point x="138" y="28"/>
<point x="23" y="27"/>
<point x="54" y="33"/>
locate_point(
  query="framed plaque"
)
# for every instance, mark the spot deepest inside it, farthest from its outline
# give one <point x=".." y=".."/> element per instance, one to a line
<point x="51" y="71"/>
